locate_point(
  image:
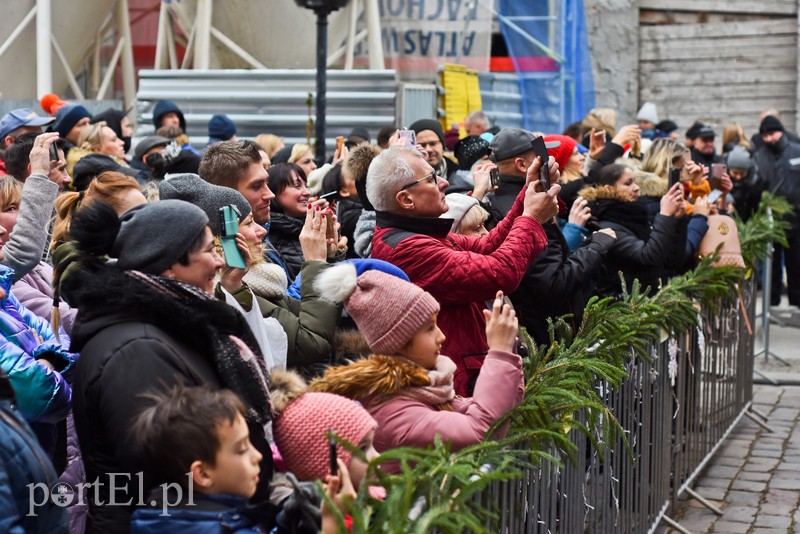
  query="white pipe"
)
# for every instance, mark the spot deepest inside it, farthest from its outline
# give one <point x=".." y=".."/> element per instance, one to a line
<point x="44" y="55"/>
<point x="73" y="83"/>
<point x="101" y="94"/>
<point x="128" y="73"/>
<point x="339" y="52"/>
<point x="96" y="64"/>
<point x="170" y="41"/>
<point x="374" y="44"/>
<point x="351" y="36"/>
<point x="236" y="49"/>
<point x="161" y="36"/>
<point x="202" y="39"/>
<point x="187" y="55"/>
<point x="18" y="30"/>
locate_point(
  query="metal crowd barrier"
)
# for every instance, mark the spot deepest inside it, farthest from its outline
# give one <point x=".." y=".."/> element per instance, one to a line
<point x="673" y="429"/>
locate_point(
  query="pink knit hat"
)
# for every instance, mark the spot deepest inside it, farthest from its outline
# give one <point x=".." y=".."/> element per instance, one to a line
<point x="387" y="310"/>
<point x="303" y="421"/>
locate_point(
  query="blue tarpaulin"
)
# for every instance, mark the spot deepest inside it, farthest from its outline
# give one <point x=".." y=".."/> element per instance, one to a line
<point x="550" y="52"/>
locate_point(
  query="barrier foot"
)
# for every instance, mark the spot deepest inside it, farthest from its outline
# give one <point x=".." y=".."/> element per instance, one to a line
<point x="773" y="355"/>
<point x="674" y="524"/>
<point x="754" y="419"/>
<point x="705" y="502"/>
<point x="765" y="377"/>
<point x="759" y="413"/>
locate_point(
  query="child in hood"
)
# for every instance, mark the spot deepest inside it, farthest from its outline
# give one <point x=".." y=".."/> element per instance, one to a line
<point x="406" y="385"/>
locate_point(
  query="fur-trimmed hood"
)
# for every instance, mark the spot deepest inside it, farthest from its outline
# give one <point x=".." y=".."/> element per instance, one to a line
<point x="603" y="192"/>
<point x="650" y="185"/>
<point x="383" y="376"/>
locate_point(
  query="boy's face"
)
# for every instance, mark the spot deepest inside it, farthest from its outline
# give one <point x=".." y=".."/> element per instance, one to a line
<point x="357" y="467"/>
<point x="424" y="347"/>
<point x="236" y="470"/>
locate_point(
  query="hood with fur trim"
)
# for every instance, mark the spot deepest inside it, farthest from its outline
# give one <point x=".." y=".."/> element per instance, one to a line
<point x="603" y="192"/>
<point x="650" y="185"/>
<point x="375" y="376"/>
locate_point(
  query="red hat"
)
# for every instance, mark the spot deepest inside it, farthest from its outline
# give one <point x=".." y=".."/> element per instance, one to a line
<point x="51" y="103"/>
<point x="562" y="152"/>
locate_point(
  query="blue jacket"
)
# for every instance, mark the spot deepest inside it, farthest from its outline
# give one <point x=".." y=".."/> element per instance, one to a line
<point x="23" y="462"/>
<point x="210" y="514"/>
<point x="43" y="394"/>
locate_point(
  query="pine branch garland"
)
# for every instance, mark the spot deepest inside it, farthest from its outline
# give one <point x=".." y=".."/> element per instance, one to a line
<point x="441" y="490"/>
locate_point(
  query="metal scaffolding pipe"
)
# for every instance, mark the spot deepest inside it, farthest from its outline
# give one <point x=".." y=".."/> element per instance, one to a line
<point x="44" y="54"/>
<point x="18" y="30"/>
<point x="374" y="43"/>
<point x="202" y="38"/>
<point x="126" y="64"/>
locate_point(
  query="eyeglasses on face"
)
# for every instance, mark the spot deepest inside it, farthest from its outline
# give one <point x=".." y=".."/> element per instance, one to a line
<point x="431" y="178"/>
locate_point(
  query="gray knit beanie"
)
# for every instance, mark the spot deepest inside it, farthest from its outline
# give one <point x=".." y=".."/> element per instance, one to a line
<point x="206" y="196"/>
<point x="152" y="237"/>
<point x="739" y="158"/>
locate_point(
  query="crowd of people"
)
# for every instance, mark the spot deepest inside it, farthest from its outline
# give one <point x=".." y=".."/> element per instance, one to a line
<point x="194" y="336"/>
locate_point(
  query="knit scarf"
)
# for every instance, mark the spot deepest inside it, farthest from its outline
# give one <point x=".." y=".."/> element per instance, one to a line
<point x="239" y="368"/>
<point x="440" y="391"/>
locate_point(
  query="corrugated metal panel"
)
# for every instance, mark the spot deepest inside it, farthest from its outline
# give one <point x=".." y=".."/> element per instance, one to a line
<point x="502" y="101"/>
<point x="417" y="101"/>
<point x="270" y="101"/>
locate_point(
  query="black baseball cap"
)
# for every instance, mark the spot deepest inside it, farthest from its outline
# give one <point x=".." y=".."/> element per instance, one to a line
<point x="510" y="142"/>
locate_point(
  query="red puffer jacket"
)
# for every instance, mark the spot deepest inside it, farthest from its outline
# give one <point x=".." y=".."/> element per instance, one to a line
<point x="461" y="272"/>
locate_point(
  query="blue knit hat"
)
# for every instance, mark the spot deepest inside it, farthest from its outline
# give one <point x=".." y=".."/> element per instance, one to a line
<point x="67" y="117"/>
<point x="220" y="128"/>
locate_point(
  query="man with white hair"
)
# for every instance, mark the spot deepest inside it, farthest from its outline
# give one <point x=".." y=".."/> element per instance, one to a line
<point x="476" y="123"/>
<point x="461" y="272"/>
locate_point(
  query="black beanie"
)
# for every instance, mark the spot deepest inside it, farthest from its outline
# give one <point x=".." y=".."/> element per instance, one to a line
<point x="428" y="124"/>
<point x="770" y="124"/>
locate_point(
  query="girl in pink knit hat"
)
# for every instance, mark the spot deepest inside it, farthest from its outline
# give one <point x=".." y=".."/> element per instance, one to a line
<point x="407" y="385"/>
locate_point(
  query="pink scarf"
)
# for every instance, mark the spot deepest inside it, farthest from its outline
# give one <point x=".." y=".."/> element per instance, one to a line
<point x="440" y="391"/>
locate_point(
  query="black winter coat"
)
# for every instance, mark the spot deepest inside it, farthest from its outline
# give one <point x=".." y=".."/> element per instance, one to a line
<point x="640" y="252"/>
<point x="779" y="167"/>
<point x="747" y="193"/>
<point x="557" y="281"/>
<point x="134" y="340"/>
<point x="348" y="212"/>
<point x="284" y="233"/>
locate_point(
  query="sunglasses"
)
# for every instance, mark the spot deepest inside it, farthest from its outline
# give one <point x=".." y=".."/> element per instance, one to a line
<point x="435" y="180"/>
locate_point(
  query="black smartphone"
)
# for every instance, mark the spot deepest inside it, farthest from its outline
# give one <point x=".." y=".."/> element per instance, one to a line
<point x="54" y="152"/>
<point x="540" y="149"/>
<point x="330" y="197"/>
<point x="674" y="177"/>
<point x="494" y="177"/>
<point x="333" y="454"/>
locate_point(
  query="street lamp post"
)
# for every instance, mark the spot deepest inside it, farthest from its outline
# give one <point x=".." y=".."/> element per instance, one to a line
<point x="322" y="8"/>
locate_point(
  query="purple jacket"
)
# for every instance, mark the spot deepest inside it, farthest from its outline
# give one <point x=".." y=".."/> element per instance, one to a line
<point x="35" y="292"/>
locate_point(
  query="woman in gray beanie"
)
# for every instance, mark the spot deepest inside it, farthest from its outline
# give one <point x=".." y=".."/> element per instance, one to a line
<point x="146" y="322"/>
<point x="306" y="326"/>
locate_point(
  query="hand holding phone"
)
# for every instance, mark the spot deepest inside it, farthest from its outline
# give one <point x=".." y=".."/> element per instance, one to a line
<point x="333" y="454"/>
<point x="540" y="149"/>
<point x="229" y="217"/>
<point x="494" y="177"/>
<point x="409" y="136"/>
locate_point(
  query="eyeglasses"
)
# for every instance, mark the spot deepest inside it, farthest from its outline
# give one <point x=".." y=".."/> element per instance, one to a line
<point x="432" y="178"/>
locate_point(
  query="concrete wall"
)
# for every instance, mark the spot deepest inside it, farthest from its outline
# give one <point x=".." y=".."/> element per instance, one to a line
<point x="614" y="45"/>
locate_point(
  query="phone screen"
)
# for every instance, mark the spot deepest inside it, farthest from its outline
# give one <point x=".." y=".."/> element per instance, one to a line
<point x="540" y="149"/>
<point x="674" y="176"/>
<point x="53" y="152"/>
<point x="494" y="177"/>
